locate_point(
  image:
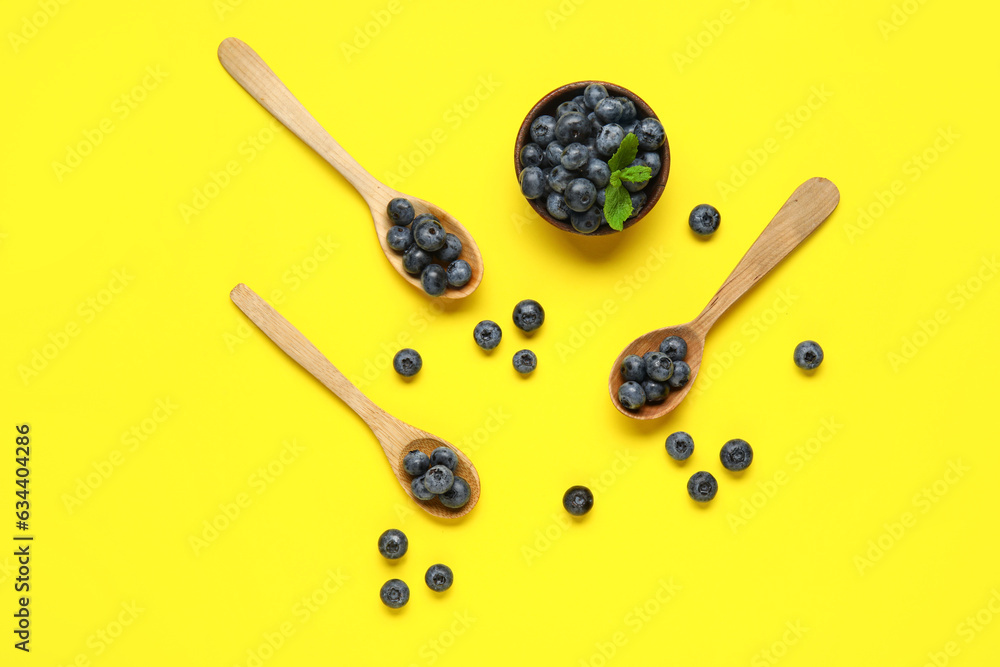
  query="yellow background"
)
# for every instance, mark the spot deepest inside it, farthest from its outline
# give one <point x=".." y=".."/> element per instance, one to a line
<point x="847" y="542"/>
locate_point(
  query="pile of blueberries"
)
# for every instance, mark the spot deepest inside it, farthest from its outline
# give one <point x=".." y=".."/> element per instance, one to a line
<point x="528" y="316"/>
<point x="649" y="378"/>
<point x="392" y="544"/>
<point x="565" y="165"/>
<point x="736" y="455"/>
<point x="434" y="477"/>
<point x="428" y="250"/>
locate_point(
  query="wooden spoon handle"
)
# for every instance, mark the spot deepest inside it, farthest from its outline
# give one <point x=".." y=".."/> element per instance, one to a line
<point x="251" y="72"/>
<point x="810" y="204"/>
<point x="298" y="347"/>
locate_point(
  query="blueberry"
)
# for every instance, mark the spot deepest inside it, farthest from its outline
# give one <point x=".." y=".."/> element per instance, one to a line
<point x="580" y="195"/>
<point x="528" y="315"/>
<point x="659" y="367"/>
<point x="487" y="334"/>
<point x="459" y="273"/>
<point x="629" y="127"/>
<point x="434" y="279"/>
<point x="638" y="201"/>
<point x="457" y="495"/>
<point x="578" y="500"/>
<point x="451" y="249"/>
<point x="553" y="154"/>
<point x="598" y="172"/>
<point x="579" y="101"/>
<point x="704" y="219"/>
<point x="439" y="578"/>
<point x="416" y="260"/>
<point x="736" y="455"/>
<point x="609" y="139"/>
<point x="595" y="125"/>
<point x="682" y="373"/>
<point x="650" y="134"/>
<point x="438" y="479"/>
<point x="652" y="160"/>
<point x="392" y="544"/>
<point x="543" y="130"/>
<point x="416" y="463"/>
<point x="407" y="362"/>
<point x="556" y="206"/>
<point x="559" y="178"/>
<point x="601" y="197"/>
<point x="631" y="395"/>
<point x="588" y="221"/>
<point x="633" y="368"/>
<point x="399" y="238"/>
<point x="525" y="361"/>
<point x="635" y="187"/>
<point x="674" y="347"/>
<point x="571" y="127"/>
<point x="574" y="156"/>
<point x="421" y="219"/>
<point x="629" y="113"/>
<point x="532" y="155"/>
<point x="395" y="593"/>
<point x="702" y="486"/>
<point x="593" y="94"/>
<point x="609" y="110"/>
<point x="656" y="392"/>
<point x="444" y="456"/>
<point x="532" y="181"/>
<point x="568" y="107"/>
<point x="680" y="445"/>
<point x="429" y="235"/>
<point x="420" y="491"/>
<point x="400" y="211"/>
<point x="808" y="355"/>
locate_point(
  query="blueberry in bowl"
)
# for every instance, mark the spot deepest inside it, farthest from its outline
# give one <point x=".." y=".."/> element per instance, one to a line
<point x="565" y="184"/>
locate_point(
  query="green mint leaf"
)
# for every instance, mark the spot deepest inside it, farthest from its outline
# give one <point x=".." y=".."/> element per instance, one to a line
<point x="617" y="206"/>
<point x="626" y="152"/>
<point x="635" y="174"/>
<point x="616" y="181"/>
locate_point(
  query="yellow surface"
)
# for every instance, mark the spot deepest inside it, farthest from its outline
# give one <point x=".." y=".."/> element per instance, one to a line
<point x="865" y="531"/>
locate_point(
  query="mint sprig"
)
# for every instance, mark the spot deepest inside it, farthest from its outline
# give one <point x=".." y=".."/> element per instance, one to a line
<point x="617" y="200"/>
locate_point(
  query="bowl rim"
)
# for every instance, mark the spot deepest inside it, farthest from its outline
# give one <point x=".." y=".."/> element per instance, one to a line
<point x="553" y="99"/>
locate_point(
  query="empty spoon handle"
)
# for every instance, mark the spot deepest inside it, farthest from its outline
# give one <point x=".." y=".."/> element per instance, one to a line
<point x="251" y="72"/>
<point x="298" y="347"/>
<point x="810" y="204"/>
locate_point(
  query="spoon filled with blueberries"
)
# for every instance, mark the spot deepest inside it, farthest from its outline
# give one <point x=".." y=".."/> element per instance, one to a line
<point x="654" y="372"/>
<point x="424" y="243"/>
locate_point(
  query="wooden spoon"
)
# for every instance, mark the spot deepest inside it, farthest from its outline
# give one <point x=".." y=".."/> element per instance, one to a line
<point x="810" y="204"/>
<point x="396" y="436"/>
<point x="244" y="65"/>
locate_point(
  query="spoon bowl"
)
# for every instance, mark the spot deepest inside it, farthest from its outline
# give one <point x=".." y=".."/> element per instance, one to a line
<point x="253" y="74"/>
<point x="396" y="437"/>
<point x="810" y="204"/>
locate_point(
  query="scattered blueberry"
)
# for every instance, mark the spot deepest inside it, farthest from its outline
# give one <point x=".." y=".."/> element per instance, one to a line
<point x="532" y="155"/>
<point x="736" y="455"/>
<point x="543" y="130"/>
<point x="392" y="544"/>
<point x="416" y="260"/>
<point x="682" y="373"/>
<point x="571" y="127"/>
<point x="395" y="593"/>
<point x="574" y="156"/>
<point x="532" y="180"/>
<point x="650" y="134"/>
<point x="416" y="463"/>
<point x="702" y="486"/>
<point x="434" y="279"/>
<point x="451" y="249"/>
<point x="399" y="238"/>
<point x="444" y="456"/>
<point x="430" y="235"/>
<point x="580" y="195"/>
<point x="525" y="361"/>
<point x="457" y="495"/>
<point x="487" y="334"/>
<point x="588" y="221"/>
<point x="656" y="392"/>
<point x="704" y="219"/>
<point x="674" y="347"/>
<point x="593" y="94"/>
<point x="438" y="479"/>
<point x="578" y="500"/>
<point x="400" y="211"/>
<point x="420" y="491"/>
<point x="459" y="273"/>
<point x="659" y="367"/>
<point x="680" y="445"/>
<point x="808" y="355"/>
<point x="633" y="368"/>
<point x="556" y="206"/>
<point x="407" y="362"/>
<point x="631" y="395"/>
<point x="439" y="578"/>
<point x="528" y="315"/>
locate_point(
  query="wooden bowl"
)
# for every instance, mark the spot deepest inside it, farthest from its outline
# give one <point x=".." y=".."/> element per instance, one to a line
<point x="547" y="105"/>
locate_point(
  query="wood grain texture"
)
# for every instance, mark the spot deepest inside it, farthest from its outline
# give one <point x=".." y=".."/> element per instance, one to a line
<point x="396" y="436"/>
<point x="810" y="204"/>
<point x="253" y="74"/>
